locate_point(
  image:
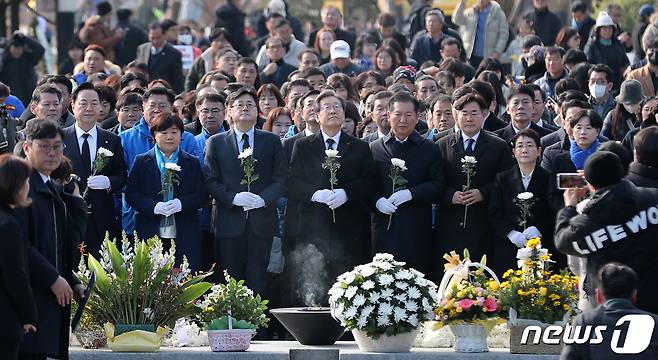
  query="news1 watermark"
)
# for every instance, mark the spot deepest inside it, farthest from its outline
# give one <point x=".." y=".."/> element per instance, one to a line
<point x="638" y="334"/>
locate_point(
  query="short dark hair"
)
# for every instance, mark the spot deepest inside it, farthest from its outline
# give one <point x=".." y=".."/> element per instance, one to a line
<point x="594" y="118"/>
<point x="620" y="150"/>
<point x="60" y="79"/>
<point x="307" y="94"/>
<point x="46" y="89"/>
<point x="471" y="97"/>
<point x="327" y="94"/>
<point x="617" y="280"/>
<point x="299" y="82"/>
<point x="244" y="90"/>
<point x="353" y="113"/>
<point x="312" y="72"/>
<point x="529" y="133"/>
<point x="536" y="88"/>
<point x="645" y="144"/>
<point x="14" y="172"/>
<point x="160" y="91"/>
<point x="551" y="50"/>
<point x="106" y="93"/>
<point x="130" y="98"/>
<point x="308" y="50"/>
<point x="530" y="41"/>
<point x="124" y="14"/>
<point x="4" y="90"/>
<point x="456" y="67"/>
<point x="426" y="77"/>
<point x="521" y="90"/>
<point x="281" y="23"/>
<point x="574" y="56"/>
<point x="602" y="68"/>
<point x="164" y="121"/>
<point x="211" y="97"/>
<point x="484" y="89"/>
<point x="45" y="129"/>
<point x="490" y="64"/>
<point x="156" y="25"/>
<point x="246" y="60"/>
<point x="566" y="84"/>
<point x="573" y="102"/>
<point x="386" y="20"/>
<point x="130" y="76"/>
<point x="449" y="42"/>
<point x="579" y="6"/>
<point x="97" y="48"/>
<point x="403" y="97"/>
<point x="82" y="87"/>
<point x="439" y="98"/>
<point x="215" y="33"/>
<point x="139" y="65"/>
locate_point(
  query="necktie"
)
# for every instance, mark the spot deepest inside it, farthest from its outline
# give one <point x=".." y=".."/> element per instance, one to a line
<point x="245" y="142"/>
<point x="86" y="157"/>
<point x="51" y="187"/>
<point x="469" y="146"/>
<point x="330" y="144"/>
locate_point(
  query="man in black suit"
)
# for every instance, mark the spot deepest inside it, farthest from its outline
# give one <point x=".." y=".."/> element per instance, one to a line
<point x="83" y="141"/>
<point x="408" y="210"/>
<point x="310" y="121"/>
<point x="164" y="61"/>
<point x="520" y="108"/>
<point x="379" y="115"/>
<point x="539" y="109"/>
<point x="246" y="214"/>
<point x="616" y="296"/>
<point x="493" y="156"/>
<point x="491" y="122"/>
<point x="344" y="242"/>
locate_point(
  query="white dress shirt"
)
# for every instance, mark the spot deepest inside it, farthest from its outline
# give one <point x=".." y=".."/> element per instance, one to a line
<point x="526" y="179"/>
<point x="474" y="137"/>
<point x="238" y="138"/>
<point x="307" y="132"/>
<point x="44" y="177"/>
<point x="335" y="137"/>
<point x="92" y="140"/>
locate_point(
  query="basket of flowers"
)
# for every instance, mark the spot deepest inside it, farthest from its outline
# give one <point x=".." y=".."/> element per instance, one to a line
<point x="468" y="302"/>
<point x="534" y="295"/>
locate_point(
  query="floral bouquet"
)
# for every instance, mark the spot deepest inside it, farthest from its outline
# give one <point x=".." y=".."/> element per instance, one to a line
<point x="103" y="156"/>
<point x="331" y="163"/>
<point x="382" y="298"/>
<point x="534" y="292"/>
<point x="248" y="168"/>
<point x="468" y="168"/>
<point x="139" y="287"/>
<point x="169" y="179"/>
<point x="524" y="201"/>
<point x="398" y="166"/>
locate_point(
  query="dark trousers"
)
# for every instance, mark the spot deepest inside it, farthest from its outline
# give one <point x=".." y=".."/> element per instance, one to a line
<point x="28" y="356"/>
<point x="9" y="349"/>
<point x="246" y="257"/>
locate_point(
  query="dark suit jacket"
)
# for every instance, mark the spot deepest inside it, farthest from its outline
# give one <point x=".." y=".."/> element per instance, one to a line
<point x="101" y="201"/>
<point x="224" y="173"/>
<point x="346" y="242"/>
<point x="608" y="314"/>
<point x="409" y="238"/>
<point x="493" y="123"/>
<point x="504" y="213"/>
<point x="291" y="215"/>
<point x="642" y="175"/>
<point x="17" y="306"/>
<point x="493" y="156"/>
<point x="507" y="133"/>
<point x="561" y="164"/>
<point x="371" y="137"/>
<point x="143" y="193"/>
<point x="552" y="138"/>
<point x="167" y="66"/>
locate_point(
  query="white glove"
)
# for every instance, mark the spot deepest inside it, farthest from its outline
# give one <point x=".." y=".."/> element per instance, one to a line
<point x="385" y="206"/>
<point x="400" y="197"/>
<point x="244" y="199"/>
<point x="531" y="232"/>
<point x="257" y="203"/>
<point x="322" y="196"/>
<point x="517" y="238"/>
<point x="159" y="209"/>
<point x="338" y="198"/>
<point x="172" y="207"/>
<point x="98" y="182"/>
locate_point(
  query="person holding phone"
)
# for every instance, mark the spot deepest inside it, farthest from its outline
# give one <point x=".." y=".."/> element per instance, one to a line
<point x="17" y="307"/>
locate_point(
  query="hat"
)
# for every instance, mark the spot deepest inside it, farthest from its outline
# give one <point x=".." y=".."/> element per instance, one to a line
<point x="603" y="168"/>
<point x="631" y="92"/>
<point x="339" y="49"/>
<point x="276" y="7"/>
<point x="103" y="8"/>
<point x="404" y="72"/>
<point x="604" y="20"/>
<point x="646" y="10"/>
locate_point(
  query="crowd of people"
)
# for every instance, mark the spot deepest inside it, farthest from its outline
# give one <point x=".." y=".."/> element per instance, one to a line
<point x="125" y="140"/>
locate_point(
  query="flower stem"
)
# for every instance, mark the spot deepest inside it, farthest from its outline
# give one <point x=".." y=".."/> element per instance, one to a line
<point x="465" y="213"/>
<point x="333" y="212"/>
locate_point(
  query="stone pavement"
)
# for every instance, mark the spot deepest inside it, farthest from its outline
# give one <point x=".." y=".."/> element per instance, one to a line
<point x="278" y="350"/>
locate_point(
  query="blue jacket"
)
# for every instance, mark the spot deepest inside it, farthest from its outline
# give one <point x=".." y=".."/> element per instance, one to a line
<point x="143" y="193"/>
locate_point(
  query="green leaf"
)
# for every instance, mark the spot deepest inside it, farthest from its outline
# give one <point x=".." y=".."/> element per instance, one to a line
<point x="254" y="178"/>
<point x="102" y="280"/>
<point x="222" y="324"/>
<point x="141" y="263"/>
<point x="467" y="254"/>
<point x="117" y="260"/>
<point x="193" y="292"/>
<point x="243" y="182"/>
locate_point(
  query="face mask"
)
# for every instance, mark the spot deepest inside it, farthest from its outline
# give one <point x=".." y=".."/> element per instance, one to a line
<point x="631" y="108"/>
<point x="185" y="39"/>
<point x="653" y="58"/>
<point x="597" y="90"/>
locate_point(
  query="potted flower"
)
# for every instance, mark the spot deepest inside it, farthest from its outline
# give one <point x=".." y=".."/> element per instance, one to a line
<point x="468" y="302"/>
<point x="534" y="295"/>
<point x="139" y="293"/>
<point x="383" y="304"/>
<point x="231" y="314"/>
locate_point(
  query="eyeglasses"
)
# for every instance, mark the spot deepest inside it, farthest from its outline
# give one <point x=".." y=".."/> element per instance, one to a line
<point x="48" y="148"/>
<point x="160" y="106"/>
<point x="242" y="106"/>
<point x="327" y="107"/>
<point x="215" y="111"/>
<point x="132" y="110"/>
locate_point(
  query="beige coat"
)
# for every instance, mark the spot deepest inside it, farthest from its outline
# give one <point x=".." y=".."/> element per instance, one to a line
<point x="497" y="29"/>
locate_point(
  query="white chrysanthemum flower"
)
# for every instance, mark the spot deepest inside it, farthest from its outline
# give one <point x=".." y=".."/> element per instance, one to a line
<point x="399" y="163"/>
<point x="350" y="313"/>
<point x="414" y="293"/>
<point x="148" y="312"/>
<point x="385" y="309"/>
<point x="331" y="153"/>
<point x="367" y="310"/>
<point x="383" y="320"/>
<point x="348" y="278"/>
<point x="413" y="320"/>
<point x="385" y="279"/>
<point x="359" y="300"/>
<point x="422" y="282"/>
<point x="387" y="293"/>
<point x="362" y="322"/>
<point x="172" y="166"/>
<point x="368" y="284"/>
<point x="336" y="292"/>
<point x="401" y="297"/>
<point x="525" y="195"/>
<point x="401" y="285"/>
<point x="351" y="291"/>
<point x="104" y="152"/>
<point x="411" y="306"/>
<point x="383" y="265"/>
<point x="382" y="257"/>
<point x="404" y="274"/>
<point x="469" y="160"/>
<point x="374" y="297"/>
<point x="367" y="271"/>
<point x="399" y="314"/>
<point x="246" y="153"/>
<point x="426" y="305"/>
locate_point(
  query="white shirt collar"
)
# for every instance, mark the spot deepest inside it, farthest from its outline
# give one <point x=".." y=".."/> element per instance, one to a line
<point x="540" y="122"/>
<point x="335" y="137"/>
<point x="380" y="134"/>
<point x="45" y="178"/>
<point x="307" y="132"/>
<point x="239" y="133"/>
<point x="474" y="137"/>
<point x="79" y="132"/>
<point x="516" y="130"/>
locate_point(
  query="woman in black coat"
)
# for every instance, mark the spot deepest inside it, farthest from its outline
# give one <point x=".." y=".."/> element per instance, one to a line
<point x="17" y="306"/>
<point x="604" y="48"/>
<point x="504" y="211"/>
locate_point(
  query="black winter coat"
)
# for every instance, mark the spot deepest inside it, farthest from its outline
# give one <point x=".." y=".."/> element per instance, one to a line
<point x="232" y="19"/>
<point x="613" y="56"/>
<point x="20" y="74"/>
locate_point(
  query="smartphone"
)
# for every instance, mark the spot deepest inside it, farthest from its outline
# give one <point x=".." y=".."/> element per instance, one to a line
<point x="570" y="181"/>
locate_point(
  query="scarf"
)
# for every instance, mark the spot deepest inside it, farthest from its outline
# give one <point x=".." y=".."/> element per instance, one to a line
<point x="605" y="42"/>
<point x="161" y="161"/>
<point x="578" y="155"/>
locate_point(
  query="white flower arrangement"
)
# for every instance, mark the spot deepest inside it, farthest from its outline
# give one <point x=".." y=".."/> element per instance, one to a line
<point x="382" y="297"/>
<point x="172" y="166"/>
<point x="331" y="153"/>
<point x="246" y="153"/>
<point x="104" y="152"/>
<point x="469" y="160"/>
<point x="524" y="196"/>
<point x="399" y="163"/>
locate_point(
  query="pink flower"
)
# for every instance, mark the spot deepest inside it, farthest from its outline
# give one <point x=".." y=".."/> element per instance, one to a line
<point x="490" y="305"/>
<point x="479" y="300"/>
<point x="465" y="304"/>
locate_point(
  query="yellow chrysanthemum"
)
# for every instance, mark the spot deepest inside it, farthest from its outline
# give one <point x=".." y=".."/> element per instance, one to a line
<point x="533" y="243"/>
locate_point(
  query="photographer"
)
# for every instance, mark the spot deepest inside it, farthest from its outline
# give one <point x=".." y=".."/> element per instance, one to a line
<point x="618" y="223"/>
<point x="18" y="65"/>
